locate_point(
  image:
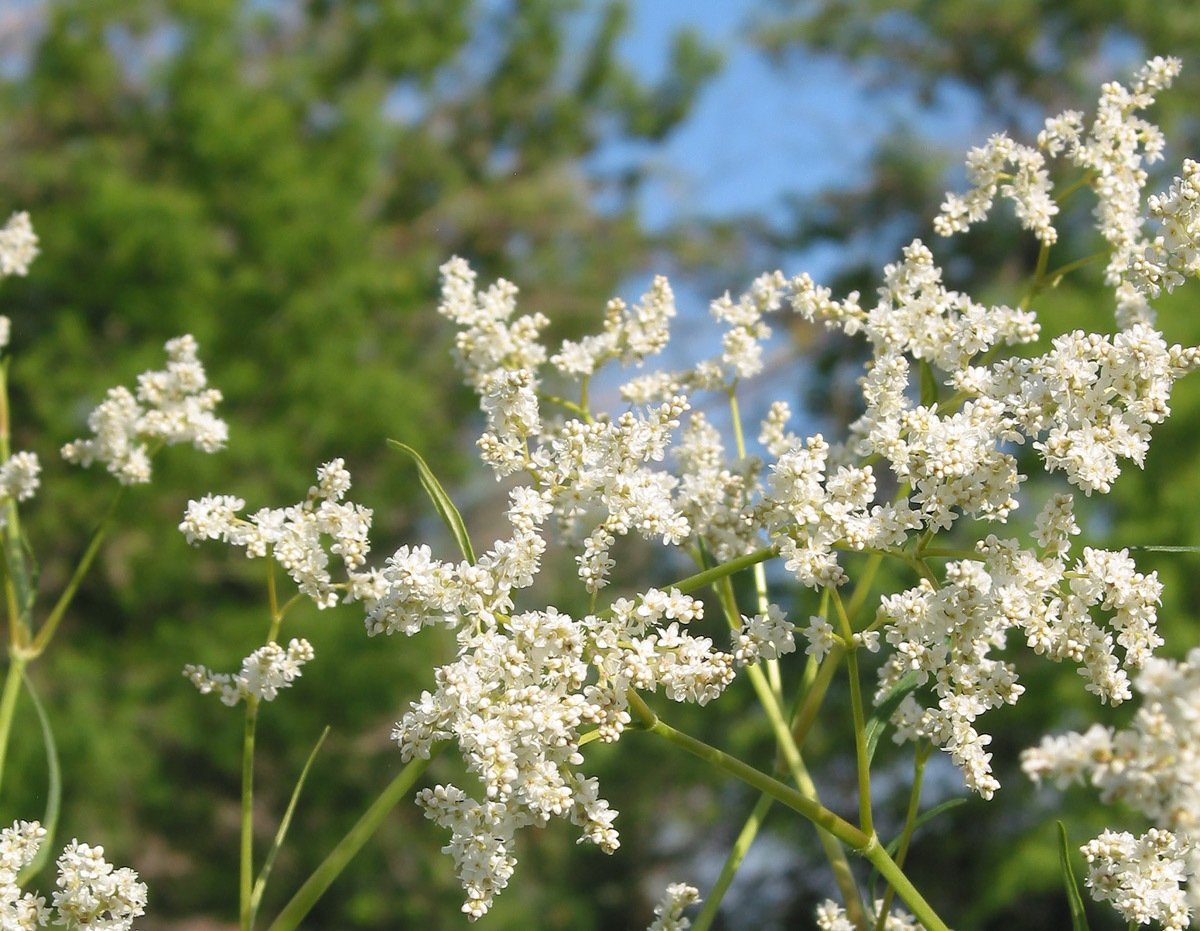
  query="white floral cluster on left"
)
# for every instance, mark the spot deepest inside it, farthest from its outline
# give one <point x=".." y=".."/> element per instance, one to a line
<point x="171" y="406"/>
<point x="91" y="893"/>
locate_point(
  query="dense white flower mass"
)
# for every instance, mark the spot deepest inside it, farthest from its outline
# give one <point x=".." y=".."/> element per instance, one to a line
<point x="952" y="388"/>
<point x="19" y="479"/>
<point x="832" y="917"/>
<point x="92" y="895"/>
<point x="171" y="406"/>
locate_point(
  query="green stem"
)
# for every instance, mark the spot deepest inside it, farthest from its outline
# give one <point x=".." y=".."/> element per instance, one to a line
<point x="44" y="635"/>
<point x="1059" y="273"/>
<point x="712" y="900"/>
<point x="331" y="867"/>
<point x="716" y="573"/>
<point x="8" y="704"/>
<point x="1038" y="275"/>
<point x="569" y="405"/>
<point x="815" y="812"/>
<point x="895" y="877"/>
<point x="807" y="715"/>
<point x="867" y="845"/>
<point x="246" y="884"/>
<point x="860" y="726"/>
<point x="1088" y="177"/>
<point x="910" y="822"/>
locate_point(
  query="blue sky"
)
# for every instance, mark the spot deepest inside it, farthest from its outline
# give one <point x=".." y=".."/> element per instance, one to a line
<point x="759" y="133"/>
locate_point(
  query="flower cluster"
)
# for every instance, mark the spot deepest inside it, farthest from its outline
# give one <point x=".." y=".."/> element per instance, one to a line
<point x="668" y="913"/>
<point x="91" y="893"/>
<point x="19" y="479"/>
<point x="171" y="406"/>
<point x="944" y="406"/>
<point x="524" y="687"/>
<point x="1154" y="767"/>
<point x="264" y="672"/>
<point x="18" y="246"/>
<point x="946" y="634"/>
<point x="295" y="536"/>
<point x="1113" y="152"/>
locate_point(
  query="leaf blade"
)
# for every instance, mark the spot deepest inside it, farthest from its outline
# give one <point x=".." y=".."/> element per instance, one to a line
<point x="1074" y="899"/>
<point x="441" y="501"/>
<point x="53" y="789"/>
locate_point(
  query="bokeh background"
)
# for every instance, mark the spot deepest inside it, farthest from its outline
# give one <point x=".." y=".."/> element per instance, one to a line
<point x="282" y="178"/>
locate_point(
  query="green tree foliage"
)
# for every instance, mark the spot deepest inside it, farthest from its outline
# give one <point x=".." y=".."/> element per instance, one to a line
<point x="282" y="180"/>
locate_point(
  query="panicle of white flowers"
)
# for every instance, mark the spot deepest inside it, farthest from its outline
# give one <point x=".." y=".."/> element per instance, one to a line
<point x="171" y="406"/>
<point x="20" y="911"/>
<point x="668" y="913"/>
<point x="764" y="636"/>
<point x="1026" y="184"/>
<point x="264" y="672"/>
<point x="295" y="536"/>
<point x="18" y="245"/>
<point x="1113" y="152"/>
<point x="1140" y="876"/>
<point x="92" y="895"/>
<point x="630" y="334"/>
<point x="525" y="684"/>
<point x="1174" y="254"/>
<point x="946" y="634"/>
<point x="832" y="917"/>
<point x="1154" y="767"/>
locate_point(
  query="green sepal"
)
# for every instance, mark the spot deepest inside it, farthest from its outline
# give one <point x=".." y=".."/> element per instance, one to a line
<point x="441" y="501"/>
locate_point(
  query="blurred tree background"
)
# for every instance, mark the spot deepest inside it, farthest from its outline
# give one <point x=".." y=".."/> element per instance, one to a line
<point x="282" y="178"/>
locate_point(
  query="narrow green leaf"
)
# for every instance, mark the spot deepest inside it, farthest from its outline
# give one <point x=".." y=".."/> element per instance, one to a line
<point x="329" y="870"/>
<point x="260" y="884"/>
<point x="929" y="385"/>
<point x="53" y="789"/>
<point x="1074" y="899"/>
<point x="1167" y="549"/>
<point x="441" y="501"/>
<point x="878" y="721"/>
